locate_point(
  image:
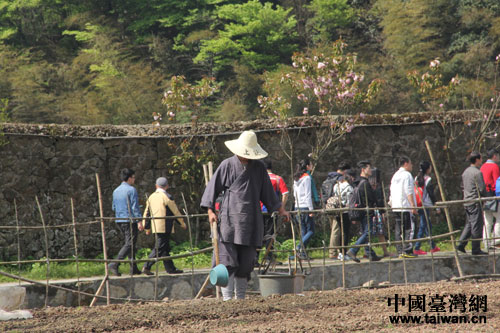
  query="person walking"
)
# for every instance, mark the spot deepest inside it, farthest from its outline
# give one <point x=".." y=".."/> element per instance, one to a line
<point x="491" y="172"/>
<point x="473" y="187"/>
<point x="330" y="189"/>
<point x="160" y="204"/>
<point x="343" y="191"/>
<point x="379" y="217"/>
<point x="126" y="206"/>
<point x="240" y="225"/>
<point x="302" y="191"/>
<point x="403" y="204"/>
<point x="366" y="198"/>
<point x="424" y="194"/>
<point x="281" y="191"/>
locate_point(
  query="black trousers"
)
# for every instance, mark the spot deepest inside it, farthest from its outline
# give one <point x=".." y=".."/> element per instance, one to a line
<point x="130" y="237"/>
<point x="473" y="227"/>
<point x="238" y="259"/>
<point x="163" y="245"/>
<point x="404" y="228"/>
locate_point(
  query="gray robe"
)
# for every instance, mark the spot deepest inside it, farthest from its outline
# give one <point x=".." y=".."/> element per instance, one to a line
<point x="240" y="216"/>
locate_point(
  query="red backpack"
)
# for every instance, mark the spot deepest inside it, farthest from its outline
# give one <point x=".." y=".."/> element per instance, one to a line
<point x="419" y="195"/>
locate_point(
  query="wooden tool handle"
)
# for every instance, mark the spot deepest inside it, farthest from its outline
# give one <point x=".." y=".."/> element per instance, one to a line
<point x="215" y="242"/>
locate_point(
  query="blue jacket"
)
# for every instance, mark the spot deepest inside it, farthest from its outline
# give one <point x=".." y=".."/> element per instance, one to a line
<point x="121" y="204"/>
<point x="497" y="188"/>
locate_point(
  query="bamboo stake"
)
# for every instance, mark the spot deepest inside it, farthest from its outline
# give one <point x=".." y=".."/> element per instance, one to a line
<point x="18" y="241"/>
<point x="446" y="211"/>
<point x="46" y="251"/>
<point x="103" y="234"/>
<point x="190" y="242"/>
<point x="389" y="270"/>
<point x="205" y="174"/>
<point x="76" y="250"/>
<point x="343" y="251"/>
<point x="210" y="170"/>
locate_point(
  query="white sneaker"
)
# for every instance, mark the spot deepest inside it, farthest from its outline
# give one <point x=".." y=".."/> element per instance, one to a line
<point x="340" y="257"/>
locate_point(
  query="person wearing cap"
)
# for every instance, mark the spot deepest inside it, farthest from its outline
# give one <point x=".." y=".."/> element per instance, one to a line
<point x="245" y="183"/>
<point x="126" y="207"/>
<point x="160" y="204"/>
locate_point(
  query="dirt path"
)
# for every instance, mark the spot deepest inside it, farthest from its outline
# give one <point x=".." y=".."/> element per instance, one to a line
<point x="364" y="310"/>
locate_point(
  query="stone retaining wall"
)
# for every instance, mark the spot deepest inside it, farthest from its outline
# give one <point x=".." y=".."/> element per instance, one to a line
<point x="56" y="168"/>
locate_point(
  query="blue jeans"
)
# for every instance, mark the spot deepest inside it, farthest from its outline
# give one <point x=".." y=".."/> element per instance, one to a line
<point x="422" y="229"/>
<point x="363" y="239"/>
<point x="307" y="225"/>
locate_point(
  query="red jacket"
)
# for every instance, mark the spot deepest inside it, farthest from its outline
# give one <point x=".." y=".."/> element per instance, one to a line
<point x="491" y="172"/>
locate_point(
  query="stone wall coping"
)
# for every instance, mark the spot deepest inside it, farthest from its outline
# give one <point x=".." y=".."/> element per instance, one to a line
<point x="109" y="132"/>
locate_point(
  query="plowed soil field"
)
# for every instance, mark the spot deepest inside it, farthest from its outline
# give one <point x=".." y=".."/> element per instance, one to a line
<point x="361" y="310"/>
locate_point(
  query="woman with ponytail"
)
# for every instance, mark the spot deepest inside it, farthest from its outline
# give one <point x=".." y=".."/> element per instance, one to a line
<point x="302" y="191"/>
<point x="424" y="191"/>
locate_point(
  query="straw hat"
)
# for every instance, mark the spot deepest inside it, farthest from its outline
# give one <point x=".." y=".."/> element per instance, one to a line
<point x="246" y="146"/>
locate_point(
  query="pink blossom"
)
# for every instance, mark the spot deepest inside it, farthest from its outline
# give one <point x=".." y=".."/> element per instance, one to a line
<point x="441" y="105"/>
<point x="362" y="115"/>
<point x="492" y="99"/>
<point x="275" y="112"/>
<point x="348" y="81"/>
<point x="294" y="64"/>
<point x="321" y="111"/>
<point x="434" y="63"/>
<point x="171" y="114"/>
<point x="498" y="57"/>
<point x="321" y="65"/>
<point x="306" y="111"/>
<point x="495" y="135"/>
<point x="302" y="123"/>
<point x="156" y="117"/>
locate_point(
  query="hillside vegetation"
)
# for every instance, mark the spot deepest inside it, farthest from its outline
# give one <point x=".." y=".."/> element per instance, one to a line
<point x="112" y="61"/>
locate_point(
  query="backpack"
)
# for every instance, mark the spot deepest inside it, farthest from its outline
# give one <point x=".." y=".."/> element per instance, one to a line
<point x="339" y="199"/>
<point x="327" y="188"/>
<point x="355" y="202"/>
<point x="419" y="195"/>
<point x="334" y="201"/>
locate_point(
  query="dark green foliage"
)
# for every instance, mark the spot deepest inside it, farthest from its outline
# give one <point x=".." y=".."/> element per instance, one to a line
<point x="89" y="62"/>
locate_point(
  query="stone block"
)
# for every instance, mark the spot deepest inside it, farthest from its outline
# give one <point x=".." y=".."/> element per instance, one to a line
<point x="11" y="298"/>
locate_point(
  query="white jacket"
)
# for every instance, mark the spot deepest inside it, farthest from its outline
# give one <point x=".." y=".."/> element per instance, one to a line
<point x="303" y="193"/>
<point x="402" y="185"/>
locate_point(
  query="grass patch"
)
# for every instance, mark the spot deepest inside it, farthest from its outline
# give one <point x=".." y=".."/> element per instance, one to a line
<point x="37" y="271"/>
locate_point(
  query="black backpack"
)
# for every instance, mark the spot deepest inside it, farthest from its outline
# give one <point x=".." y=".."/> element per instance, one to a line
<point x="355" y="202"/>
<point x="327" y="188"/>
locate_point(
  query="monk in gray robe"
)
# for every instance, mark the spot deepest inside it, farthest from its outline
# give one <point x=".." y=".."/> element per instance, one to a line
<point x="244" y="183"/>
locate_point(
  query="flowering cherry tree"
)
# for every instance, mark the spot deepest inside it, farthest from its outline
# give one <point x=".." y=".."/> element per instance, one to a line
<point x="185" y="101"/>
<point x="435" y="95"/>
<point x="325" y="84"/>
